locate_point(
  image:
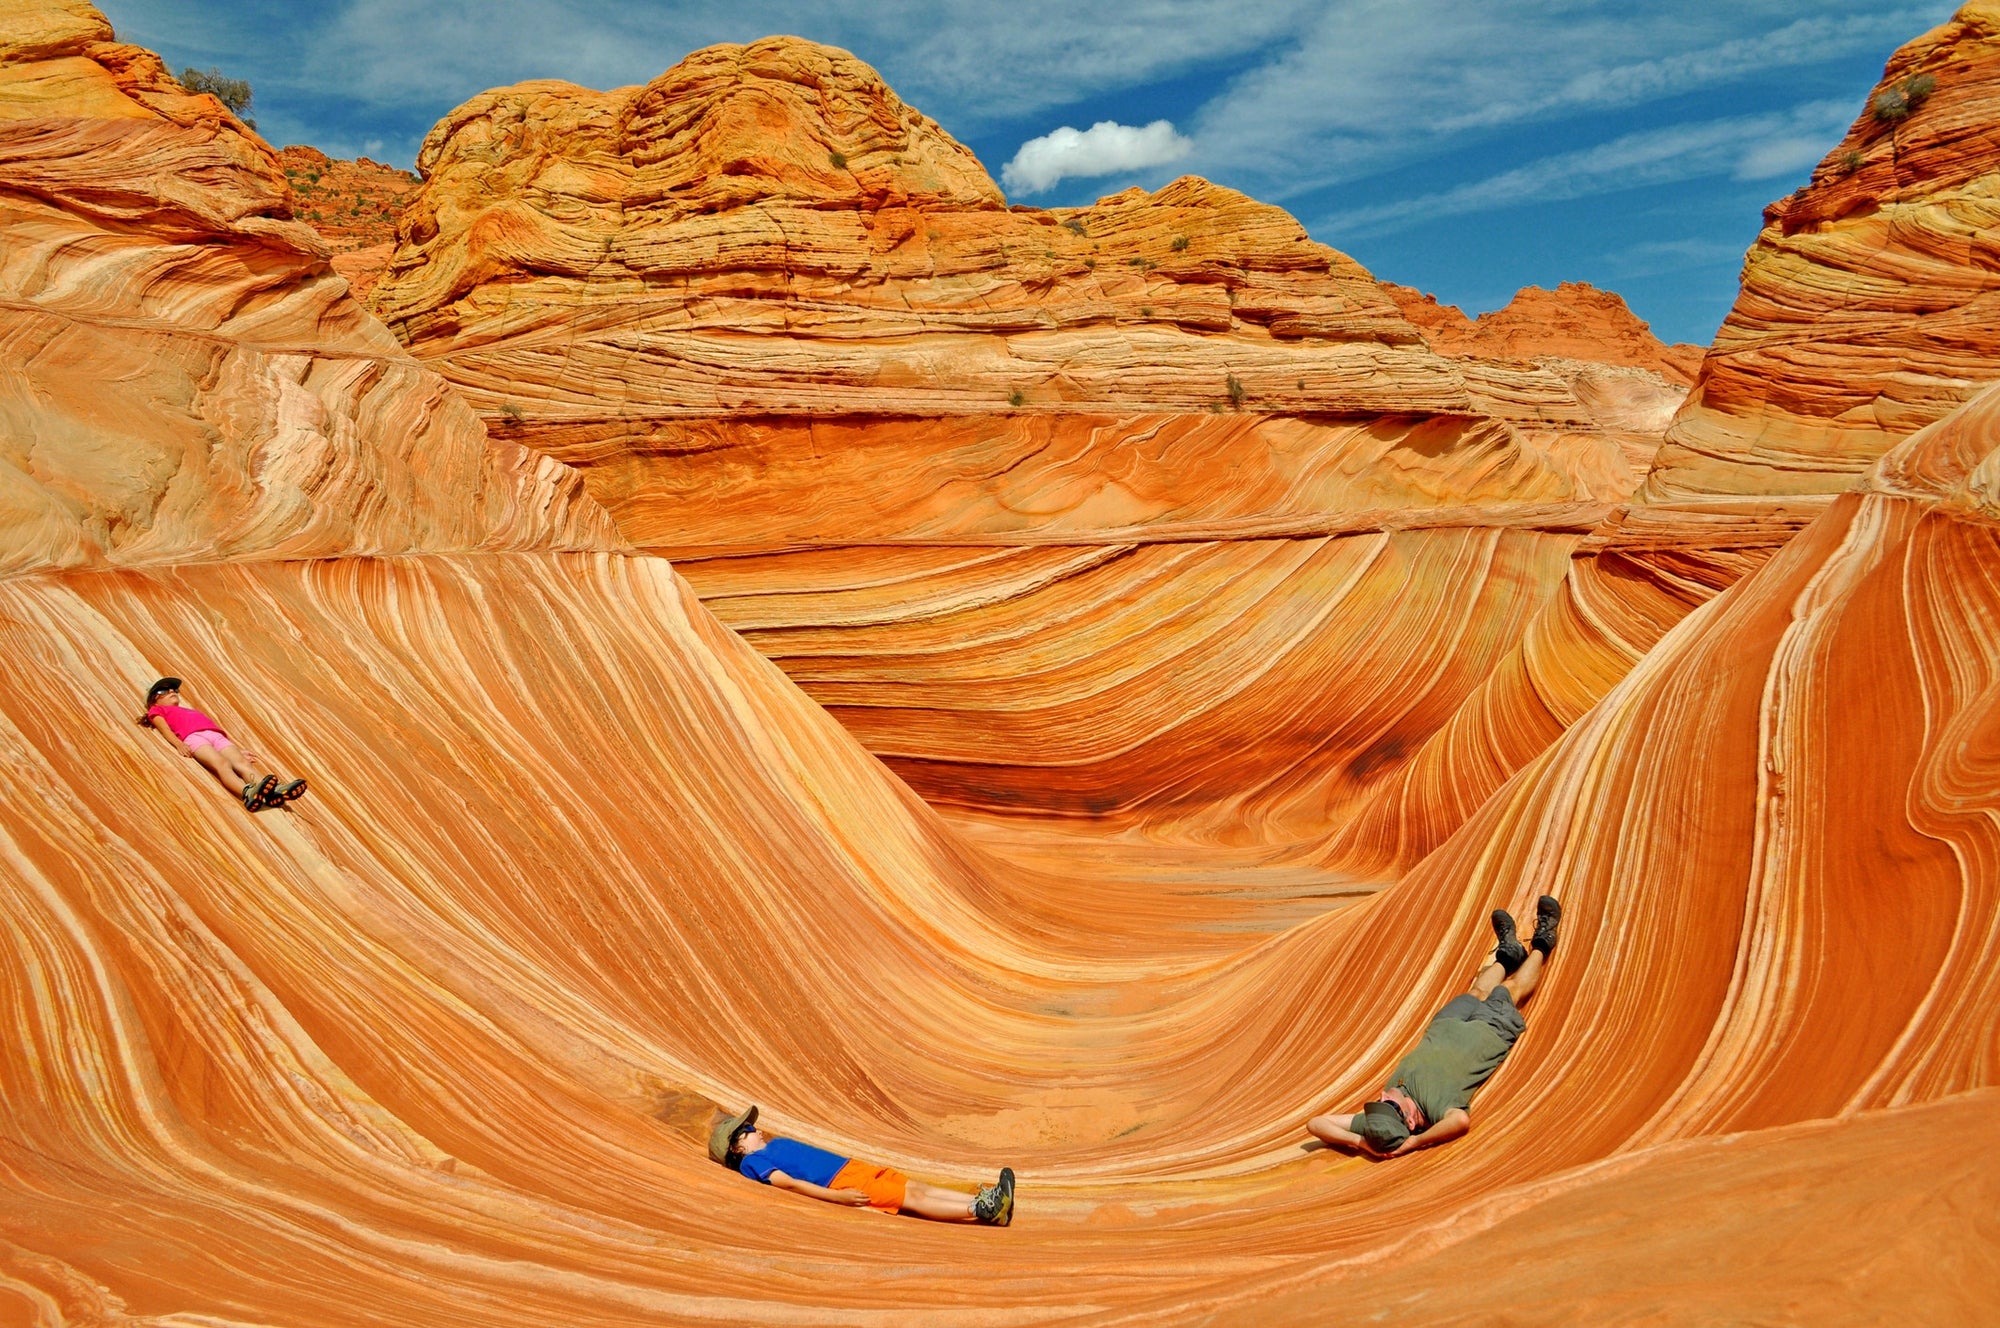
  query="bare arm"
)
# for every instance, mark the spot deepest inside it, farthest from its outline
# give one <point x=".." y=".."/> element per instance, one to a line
<point x="852" y="1198"/>
<point x="168" y="734"/>
<point x="1454" y="1123"/>
<point x="1333" y="1130"/>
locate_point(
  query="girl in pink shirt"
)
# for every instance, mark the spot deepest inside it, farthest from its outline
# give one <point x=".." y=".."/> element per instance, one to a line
<point x="203" y="739"/>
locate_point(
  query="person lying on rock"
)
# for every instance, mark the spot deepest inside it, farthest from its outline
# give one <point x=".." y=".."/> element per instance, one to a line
<point x="738" y="1144"/>
<point x="203" y="739"/>
<point x="1428" y="1100"/>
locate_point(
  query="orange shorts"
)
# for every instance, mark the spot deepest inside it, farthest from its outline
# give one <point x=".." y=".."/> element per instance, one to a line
<point x="885" y="1186"/>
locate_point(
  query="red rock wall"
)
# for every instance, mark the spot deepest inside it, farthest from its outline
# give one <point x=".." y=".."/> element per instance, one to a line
<point x="868" y="409"/>
<point x="1867" y="310"/>
<point x="1575" y="321"/>
<point x="181" y="376"/>
<point x="440" y="1043"/>
<point x="352" y="206"/>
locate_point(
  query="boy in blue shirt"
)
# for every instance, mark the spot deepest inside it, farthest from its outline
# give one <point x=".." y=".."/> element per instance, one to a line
<point x="787" y="1164"/>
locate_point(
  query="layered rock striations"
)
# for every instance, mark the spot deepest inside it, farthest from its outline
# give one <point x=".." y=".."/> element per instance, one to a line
<point x="182" y="378"/>
<point x="930" y="452"/>
<point x="1575" y="322"/>
<point x="1867" y="309"/>
<point x="1859" y="322"/>
<point x="441" y="1042"/>
<point x="352" y="206"/>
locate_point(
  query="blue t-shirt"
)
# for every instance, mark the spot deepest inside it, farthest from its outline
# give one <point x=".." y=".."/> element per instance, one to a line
<point x="815" y="1166"/>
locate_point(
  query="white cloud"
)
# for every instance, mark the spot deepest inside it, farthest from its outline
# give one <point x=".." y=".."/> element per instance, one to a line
<point x="1654" y="157"/>
<point x="1375" y="84"/>
<point x="1106" y="148"/>
<point x="965" y="62"/>
<point x="1786" y="154"/>
<point x="1652" y="257"/>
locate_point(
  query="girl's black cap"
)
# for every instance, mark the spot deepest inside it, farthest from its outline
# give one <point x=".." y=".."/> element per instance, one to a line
<point x="163" y="685"/>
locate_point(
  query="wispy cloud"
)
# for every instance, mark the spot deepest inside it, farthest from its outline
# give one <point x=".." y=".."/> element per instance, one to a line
<point x="1381" y="83"/>
<point x="1291" y="101"/>
<point x="1322" y="90"/>
<point x="1653" y="257"/>
<point x="966" y="60"/>
<point x="1106" y="148"/>
<point x="1741" y="146"/>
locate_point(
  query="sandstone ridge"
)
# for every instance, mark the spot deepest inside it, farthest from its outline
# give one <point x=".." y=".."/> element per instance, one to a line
<point x="1867" y="309"/>
<point x="958" y="467"/>
<point x="1575" y="321"/>
<point x="185" y="379"/>
<point x="440" y="1043"/>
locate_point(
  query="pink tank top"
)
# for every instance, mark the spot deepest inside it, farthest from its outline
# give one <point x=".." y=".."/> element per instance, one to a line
<point x="184" y="721"/>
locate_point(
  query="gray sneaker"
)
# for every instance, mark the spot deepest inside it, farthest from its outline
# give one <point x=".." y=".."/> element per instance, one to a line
<point x="995" y="1203"/>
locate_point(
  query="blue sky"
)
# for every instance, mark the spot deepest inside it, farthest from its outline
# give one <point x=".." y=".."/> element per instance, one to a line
<point x="1466" y="147"/>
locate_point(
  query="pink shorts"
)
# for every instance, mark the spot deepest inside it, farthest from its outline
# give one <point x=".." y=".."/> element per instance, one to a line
<point x="207" y="738"/>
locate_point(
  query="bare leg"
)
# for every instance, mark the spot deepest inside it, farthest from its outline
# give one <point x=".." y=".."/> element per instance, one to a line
<point x="1522" y="985"/>
<point x="937" y="1203"/>
<point x="228" y="765"/>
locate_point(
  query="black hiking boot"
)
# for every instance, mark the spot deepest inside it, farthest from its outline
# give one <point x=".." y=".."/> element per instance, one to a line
<point x="995" y="1204"/>
<point x="1547" y="914"/>
<point x="1510" y="954"/>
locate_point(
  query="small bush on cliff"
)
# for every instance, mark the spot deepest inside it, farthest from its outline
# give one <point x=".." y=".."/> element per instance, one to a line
<point x="1180" y="243"/>
<point x="1236" y="392"/>
<point x="1017" y="398"/>
<point x="1075" y="226"/>
<point x="231" y="92"/>
<point x="1902" y="99"/>
<point x="1850" y="161"/>
<point x="839" y="160"/>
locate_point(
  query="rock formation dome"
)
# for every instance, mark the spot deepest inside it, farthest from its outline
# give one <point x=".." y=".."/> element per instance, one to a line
<point x="766" y="621"/>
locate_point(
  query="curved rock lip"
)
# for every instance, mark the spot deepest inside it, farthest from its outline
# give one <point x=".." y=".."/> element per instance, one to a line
<point x="442" y="1042"/>
<point x="188" y="379"/>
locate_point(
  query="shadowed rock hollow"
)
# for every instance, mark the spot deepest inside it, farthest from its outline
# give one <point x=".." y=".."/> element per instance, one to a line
<point x="1111" y="514"/>
<point x="439" y="1044"/>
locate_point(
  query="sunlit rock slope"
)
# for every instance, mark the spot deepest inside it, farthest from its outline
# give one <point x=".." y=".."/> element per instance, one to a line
<point x="182" y="378"/>
<point x="1860" y="321"/>
<point x="1869" y="306"/>
<point x="1119" y="512"/>
<point x="1575" y="321"/>
<point x="439" y="1043"/>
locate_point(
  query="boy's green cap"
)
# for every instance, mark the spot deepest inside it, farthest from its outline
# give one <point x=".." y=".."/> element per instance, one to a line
<point x="719" y="1137"/>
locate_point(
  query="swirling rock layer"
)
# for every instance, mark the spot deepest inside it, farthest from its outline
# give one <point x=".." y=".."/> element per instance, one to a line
<point x="1859" y="322"/>
<point x="440" y="1043"/>
<point x="1867" y="309"/>
<point x="447" y="1034"/>
<point x="181" y="376"/>
<point x="468" y="1006"/>
<point x="933" y="452"/>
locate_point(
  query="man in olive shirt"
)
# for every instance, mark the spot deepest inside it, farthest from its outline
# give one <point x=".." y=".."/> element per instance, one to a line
<point x="1428" y="1100"/>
